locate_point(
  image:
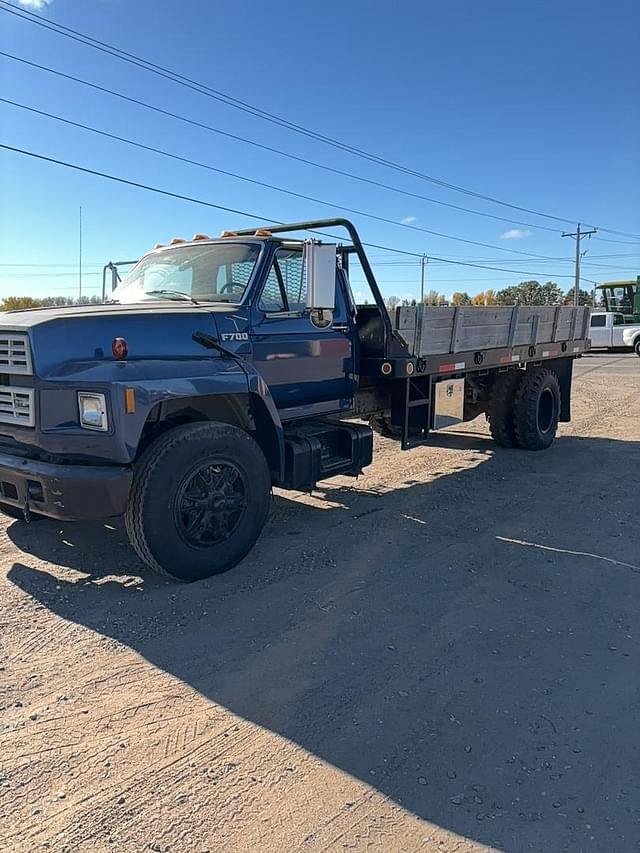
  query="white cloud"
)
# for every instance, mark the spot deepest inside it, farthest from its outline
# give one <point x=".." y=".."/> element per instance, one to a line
<point x="408" y="220"/>
<point x="35" y="4"/>
<point x="515" y="234"/>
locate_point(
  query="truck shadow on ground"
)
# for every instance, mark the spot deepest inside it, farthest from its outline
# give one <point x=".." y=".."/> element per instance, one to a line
<point x="468" y="647"/>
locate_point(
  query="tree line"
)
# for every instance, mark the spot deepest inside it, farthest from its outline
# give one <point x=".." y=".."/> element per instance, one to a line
<point x="20" y="303"/>
<point x="525" y="293"/>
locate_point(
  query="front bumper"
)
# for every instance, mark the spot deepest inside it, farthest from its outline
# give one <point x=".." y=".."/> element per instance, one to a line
<point x="66" y="492"/>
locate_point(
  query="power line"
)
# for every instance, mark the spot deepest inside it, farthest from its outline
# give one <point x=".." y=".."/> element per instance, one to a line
<point x="211" y="204"/>
<point x="236" y="103"/>
<point x="49" y="266"/>
<point x="265" y="185"/>
<point x="269" y="148"/>
<point x="46" y="275"/>
<point x="621" y="242"/>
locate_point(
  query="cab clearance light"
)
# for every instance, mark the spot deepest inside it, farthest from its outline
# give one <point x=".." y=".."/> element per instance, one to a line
<point x="176" y="240"/>
<point x="197" y="237"/>
<point x="120" y="349"/>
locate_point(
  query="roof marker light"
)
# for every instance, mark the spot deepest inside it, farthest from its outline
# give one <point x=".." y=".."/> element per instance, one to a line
<point x="120" y="349"/>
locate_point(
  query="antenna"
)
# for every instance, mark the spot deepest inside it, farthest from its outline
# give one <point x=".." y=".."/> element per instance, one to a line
<point x="80" y="256"/>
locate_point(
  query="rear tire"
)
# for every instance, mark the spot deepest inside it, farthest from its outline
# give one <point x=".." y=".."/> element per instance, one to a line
<point x="199" y="500"/>
<point x="536" y="409"/>
<point x="500" y="409"/>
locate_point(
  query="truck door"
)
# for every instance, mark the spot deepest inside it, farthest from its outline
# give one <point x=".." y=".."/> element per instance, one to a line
<point x="617" y="330"/>
<point x="599" y="332"/>
<point x="308" y="369"/>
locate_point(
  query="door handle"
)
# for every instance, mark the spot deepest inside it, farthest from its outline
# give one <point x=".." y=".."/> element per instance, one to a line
<point x="340" y="328"/>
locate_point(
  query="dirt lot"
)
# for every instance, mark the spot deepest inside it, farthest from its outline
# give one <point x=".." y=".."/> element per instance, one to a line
<point x="441" y="656"/>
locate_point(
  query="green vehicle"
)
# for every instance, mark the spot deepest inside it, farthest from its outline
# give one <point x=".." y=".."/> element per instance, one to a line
<point x="623" y="297"/>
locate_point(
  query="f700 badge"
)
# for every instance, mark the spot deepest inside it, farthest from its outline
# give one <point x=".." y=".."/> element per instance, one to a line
<point x="235" y="336"/>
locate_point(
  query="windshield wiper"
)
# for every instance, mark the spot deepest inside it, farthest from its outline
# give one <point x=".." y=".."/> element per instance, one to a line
<point x="177" y="295"/>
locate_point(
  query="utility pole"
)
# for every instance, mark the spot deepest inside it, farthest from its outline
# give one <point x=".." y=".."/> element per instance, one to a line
<point x="80" y="257"/>
<point x="578" y="235"/>
<point x="423" y="260"/>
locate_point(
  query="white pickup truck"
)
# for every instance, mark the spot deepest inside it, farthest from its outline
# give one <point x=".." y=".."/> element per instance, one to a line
<point x="609" y="331"/>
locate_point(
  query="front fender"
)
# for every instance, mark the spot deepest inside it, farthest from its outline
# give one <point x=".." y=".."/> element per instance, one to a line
<point x="153" y="382"/>
<point x="210" y="377"/>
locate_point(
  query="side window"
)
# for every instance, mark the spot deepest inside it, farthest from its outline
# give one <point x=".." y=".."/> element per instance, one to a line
<point x="598" y="320"/>
<point x="286" y="286"/>
<point x="273" y="298"/>
<point x="618" y="320"/>
<point x="294" y="279"/>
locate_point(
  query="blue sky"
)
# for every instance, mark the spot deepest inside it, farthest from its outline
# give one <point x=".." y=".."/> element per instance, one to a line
<point x="535" y="104"/>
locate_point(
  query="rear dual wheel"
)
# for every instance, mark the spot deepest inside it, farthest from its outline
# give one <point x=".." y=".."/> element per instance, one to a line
<point x="525" y="409"/>
<point x="500" y="411"/>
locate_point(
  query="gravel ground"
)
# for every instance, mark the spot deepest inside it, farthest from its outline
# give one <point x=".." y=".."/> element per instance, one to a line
<point x="440" y="656"/>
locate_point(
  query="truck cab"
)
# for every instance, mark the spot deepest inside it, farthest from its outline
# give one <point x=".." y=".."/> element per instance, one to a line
<point x="608" y="330"/>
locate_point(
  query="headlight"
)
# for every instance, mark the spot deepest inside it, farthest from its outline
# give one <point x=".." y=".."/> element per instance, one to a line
<point x="93" y="411"/>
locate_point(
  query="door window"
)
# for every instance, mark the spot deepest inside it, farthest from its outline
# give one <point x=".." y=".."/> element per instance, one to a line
<point x="598" y="320"/>
<point x="285" y="289"/>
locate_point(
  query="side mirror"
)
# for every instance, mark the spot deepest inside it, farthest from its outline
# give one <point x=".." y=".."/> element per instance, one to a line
<point x="320" y="264"/>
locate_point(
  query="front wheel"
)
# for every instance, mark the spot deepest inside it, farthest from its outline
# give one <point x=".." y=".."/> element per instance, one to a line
<point x="636" y="346"/>
<point x="199" y="500"/>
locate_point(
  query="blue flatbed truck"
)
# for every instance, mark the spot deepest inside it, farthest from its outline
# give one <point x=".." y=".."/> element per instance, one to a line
<point x="219" y="368"/>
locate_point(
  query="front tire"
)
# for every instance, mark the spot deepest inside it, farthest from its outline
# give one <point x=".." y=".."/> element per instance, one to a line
<point x="199" y="500"/>
<point x="636" y="346"/>
<point x="536" y="409"/>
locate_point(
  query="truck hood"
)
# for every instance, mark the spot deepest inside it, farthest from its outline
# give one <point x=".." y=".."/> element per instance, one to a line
<point x="63" y="338"/>
<point x="22" y="320"/>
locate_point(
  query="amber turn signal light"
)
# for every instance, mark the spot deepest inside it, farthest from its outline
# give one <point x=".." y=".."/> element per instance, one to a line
<point x="120" y="349"/>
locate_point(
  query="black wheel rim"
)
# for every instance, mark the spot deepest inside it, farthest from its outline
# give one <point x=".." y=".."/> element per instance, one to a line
<point x="546" y="410"/>
<point x="210" y="503"/>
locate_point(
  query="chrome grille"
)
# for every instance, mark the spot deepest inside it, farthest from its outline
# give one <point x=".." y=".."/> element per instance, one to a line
<point x="15" y="353"/>
<point x="17" y="406"/>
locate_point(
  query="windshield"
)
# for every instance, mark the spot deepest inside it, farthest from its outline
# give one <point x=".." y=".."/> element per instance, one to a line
<point x="619" y="298"/>
<point x="211" y="273"/>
